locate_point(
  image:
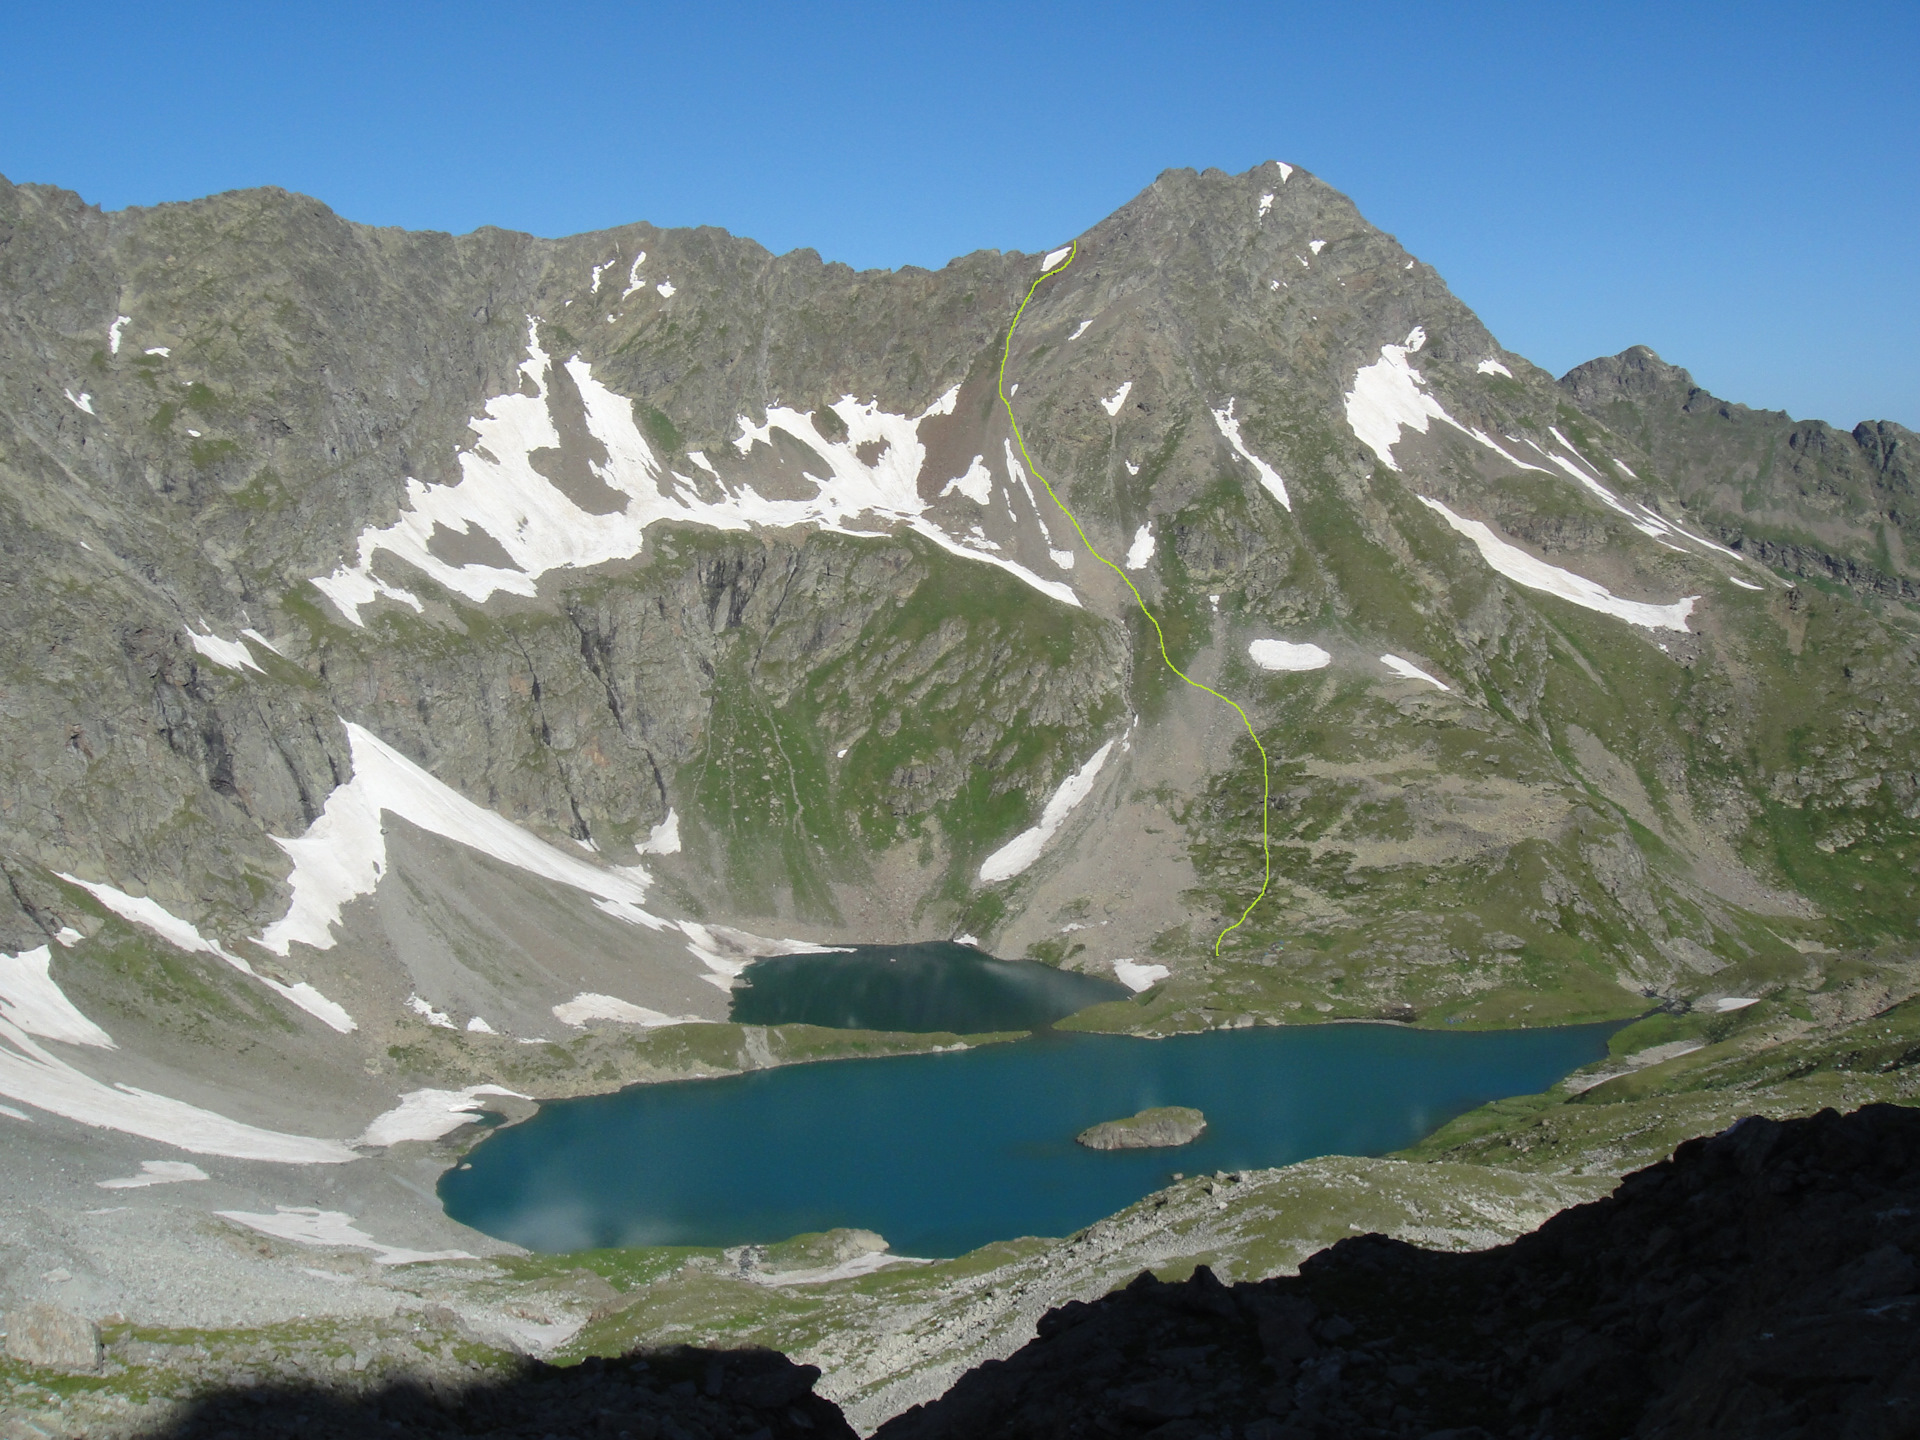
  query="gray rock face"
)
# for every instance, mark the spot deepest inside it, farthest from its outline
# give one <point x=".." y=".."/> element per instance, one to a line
<point x="1158" y="1128"/>
<point x="57" y="1339"/>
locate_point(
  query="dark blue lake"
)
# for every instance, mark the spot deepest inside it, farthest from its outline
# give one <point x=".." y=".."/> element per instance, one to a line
<point x="932" y="985"/>
<point x="943" y="1153"/>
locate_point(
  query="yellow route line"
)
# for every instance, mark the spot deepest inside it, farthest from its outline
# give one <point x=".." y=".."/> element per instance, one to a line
<point x="1266" y="776"/>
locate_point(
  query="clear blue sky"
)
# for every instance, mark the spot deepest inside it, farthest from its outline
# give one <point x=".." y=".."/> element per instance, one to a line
<point x="1737" y="185"/>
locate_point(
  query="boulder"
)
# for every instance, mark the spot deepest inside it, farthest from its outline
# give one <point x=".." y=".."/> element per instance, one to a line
<point x="49" y="1336"/>
<point x="1160" y="1127"/>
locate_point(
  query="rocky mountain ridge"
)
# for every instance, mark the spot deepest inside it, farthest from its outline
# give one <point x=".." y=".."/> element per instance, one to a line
<point x="437" y="665"/>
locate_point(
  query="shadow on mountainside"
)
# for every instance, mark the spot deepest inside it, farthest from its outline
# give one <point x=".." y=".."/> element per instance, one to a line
<point x="677" y="1394"/>
<point x="1760" y="1283"/>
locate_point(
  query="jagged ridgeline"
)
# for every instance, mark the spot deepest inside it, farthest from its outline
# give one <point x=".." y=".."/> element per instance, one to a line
<point x="418" y="644"/>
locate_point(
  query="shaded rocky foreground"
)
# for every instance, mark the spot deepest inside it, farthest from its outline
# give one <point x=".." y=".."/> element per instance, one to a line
<point x="1760" y="1283"/>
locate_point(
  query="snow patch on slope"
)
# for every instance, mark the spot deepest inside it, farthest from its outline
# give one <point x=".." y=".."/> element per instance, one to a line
<point x="429" y="1114"/>
<point x="31" y="999"/>
<point x="231" y="654"/>
<point x="976" y="484"/>
<point x="1285" y="655"/>
<point x="344" y="853"/>
<point x="1269" y="477"/>
<point x="30" y="1074"/>
<point x="1524" y="569"/>
<point x="584" y="1007"/>
<point x="1138" y="976"/>
<point x="157" y="1172"/>
<point x="1407" y="670"/>
<point x="332" y="1228"/>
<point x="1054" y="257"/>
<point x="1493" y="367"/>
<point x="1141" y="551"/>
<point x="502" y="497"/>
<point x="1114" y="401"/>
<point x="155" y="918"/>
<point x="1021" y="851"/>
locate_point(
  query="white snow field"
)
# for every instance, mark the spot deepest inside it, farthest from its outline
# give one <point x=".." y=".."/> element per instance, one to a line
<point x="1285" y="655"/>
<point x="584" y="1007"/>
<point x="501" y="496"/>
<point x="1141" y="551"/>
<point x="1114" y="401"/>
<point x="1021" y="851"/>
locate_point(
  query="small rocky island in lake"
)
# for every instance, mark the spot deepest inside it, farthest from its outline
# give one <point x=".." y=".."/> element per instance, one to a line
<point x="1155" y="1129"/>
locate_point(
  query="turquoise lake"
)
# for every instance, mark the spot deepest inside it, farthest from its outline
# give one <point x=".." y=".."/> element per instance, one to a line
<point x="942" y="1153"/>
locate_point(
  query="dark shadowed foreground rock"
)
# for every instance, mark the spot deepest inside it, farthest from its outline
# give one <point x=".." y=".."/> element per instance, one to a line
<point x="1760" y="1283"/>
<point x="679" y="1394"/>
<point x="1154" y="1129"/>
<point x="49" y="1336"/>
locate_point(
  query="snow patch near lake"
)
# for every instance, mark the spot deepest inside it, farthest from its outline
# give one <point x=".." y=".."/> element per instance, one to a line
<point x="157" y="1172"/>
<point x="155" y="918"/>
<point x="344" y="853"/>
<point x="1114" y="401"/>
<point x="1138" y="976"/>
<point x="30" y="1074"/>
<point x="1285" y="655"/>
<point x="582" y="1008"/>
<point x="334" y="1229"/>
<point x="31" y="999"/>
<point x="1141" y="551"/>
<point x="1407" y="670"/>
<point x="1021" y="851"/>
<point x="1230" y="428"/>
<point x="429" y="1114"/>
<point x="231" y="654"/>
<point x="1524" y="569"/>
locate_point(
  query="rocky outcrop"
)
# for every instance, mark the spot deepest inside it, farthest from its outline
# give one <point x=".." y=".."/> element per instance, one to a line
<point x="1761" y="1282"/>
<point x="48" y="1336"/>
<point x="1162" y="1127"/>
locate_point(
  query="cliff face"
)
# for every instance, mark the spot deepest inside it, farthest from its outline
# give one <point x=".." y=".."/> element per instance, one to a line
<point x="1761" y="1282"/>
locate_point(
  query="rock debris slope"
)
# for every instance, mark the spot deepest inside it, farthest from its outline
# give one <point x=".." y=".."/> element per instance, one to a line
<point x="446" y="661"/>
